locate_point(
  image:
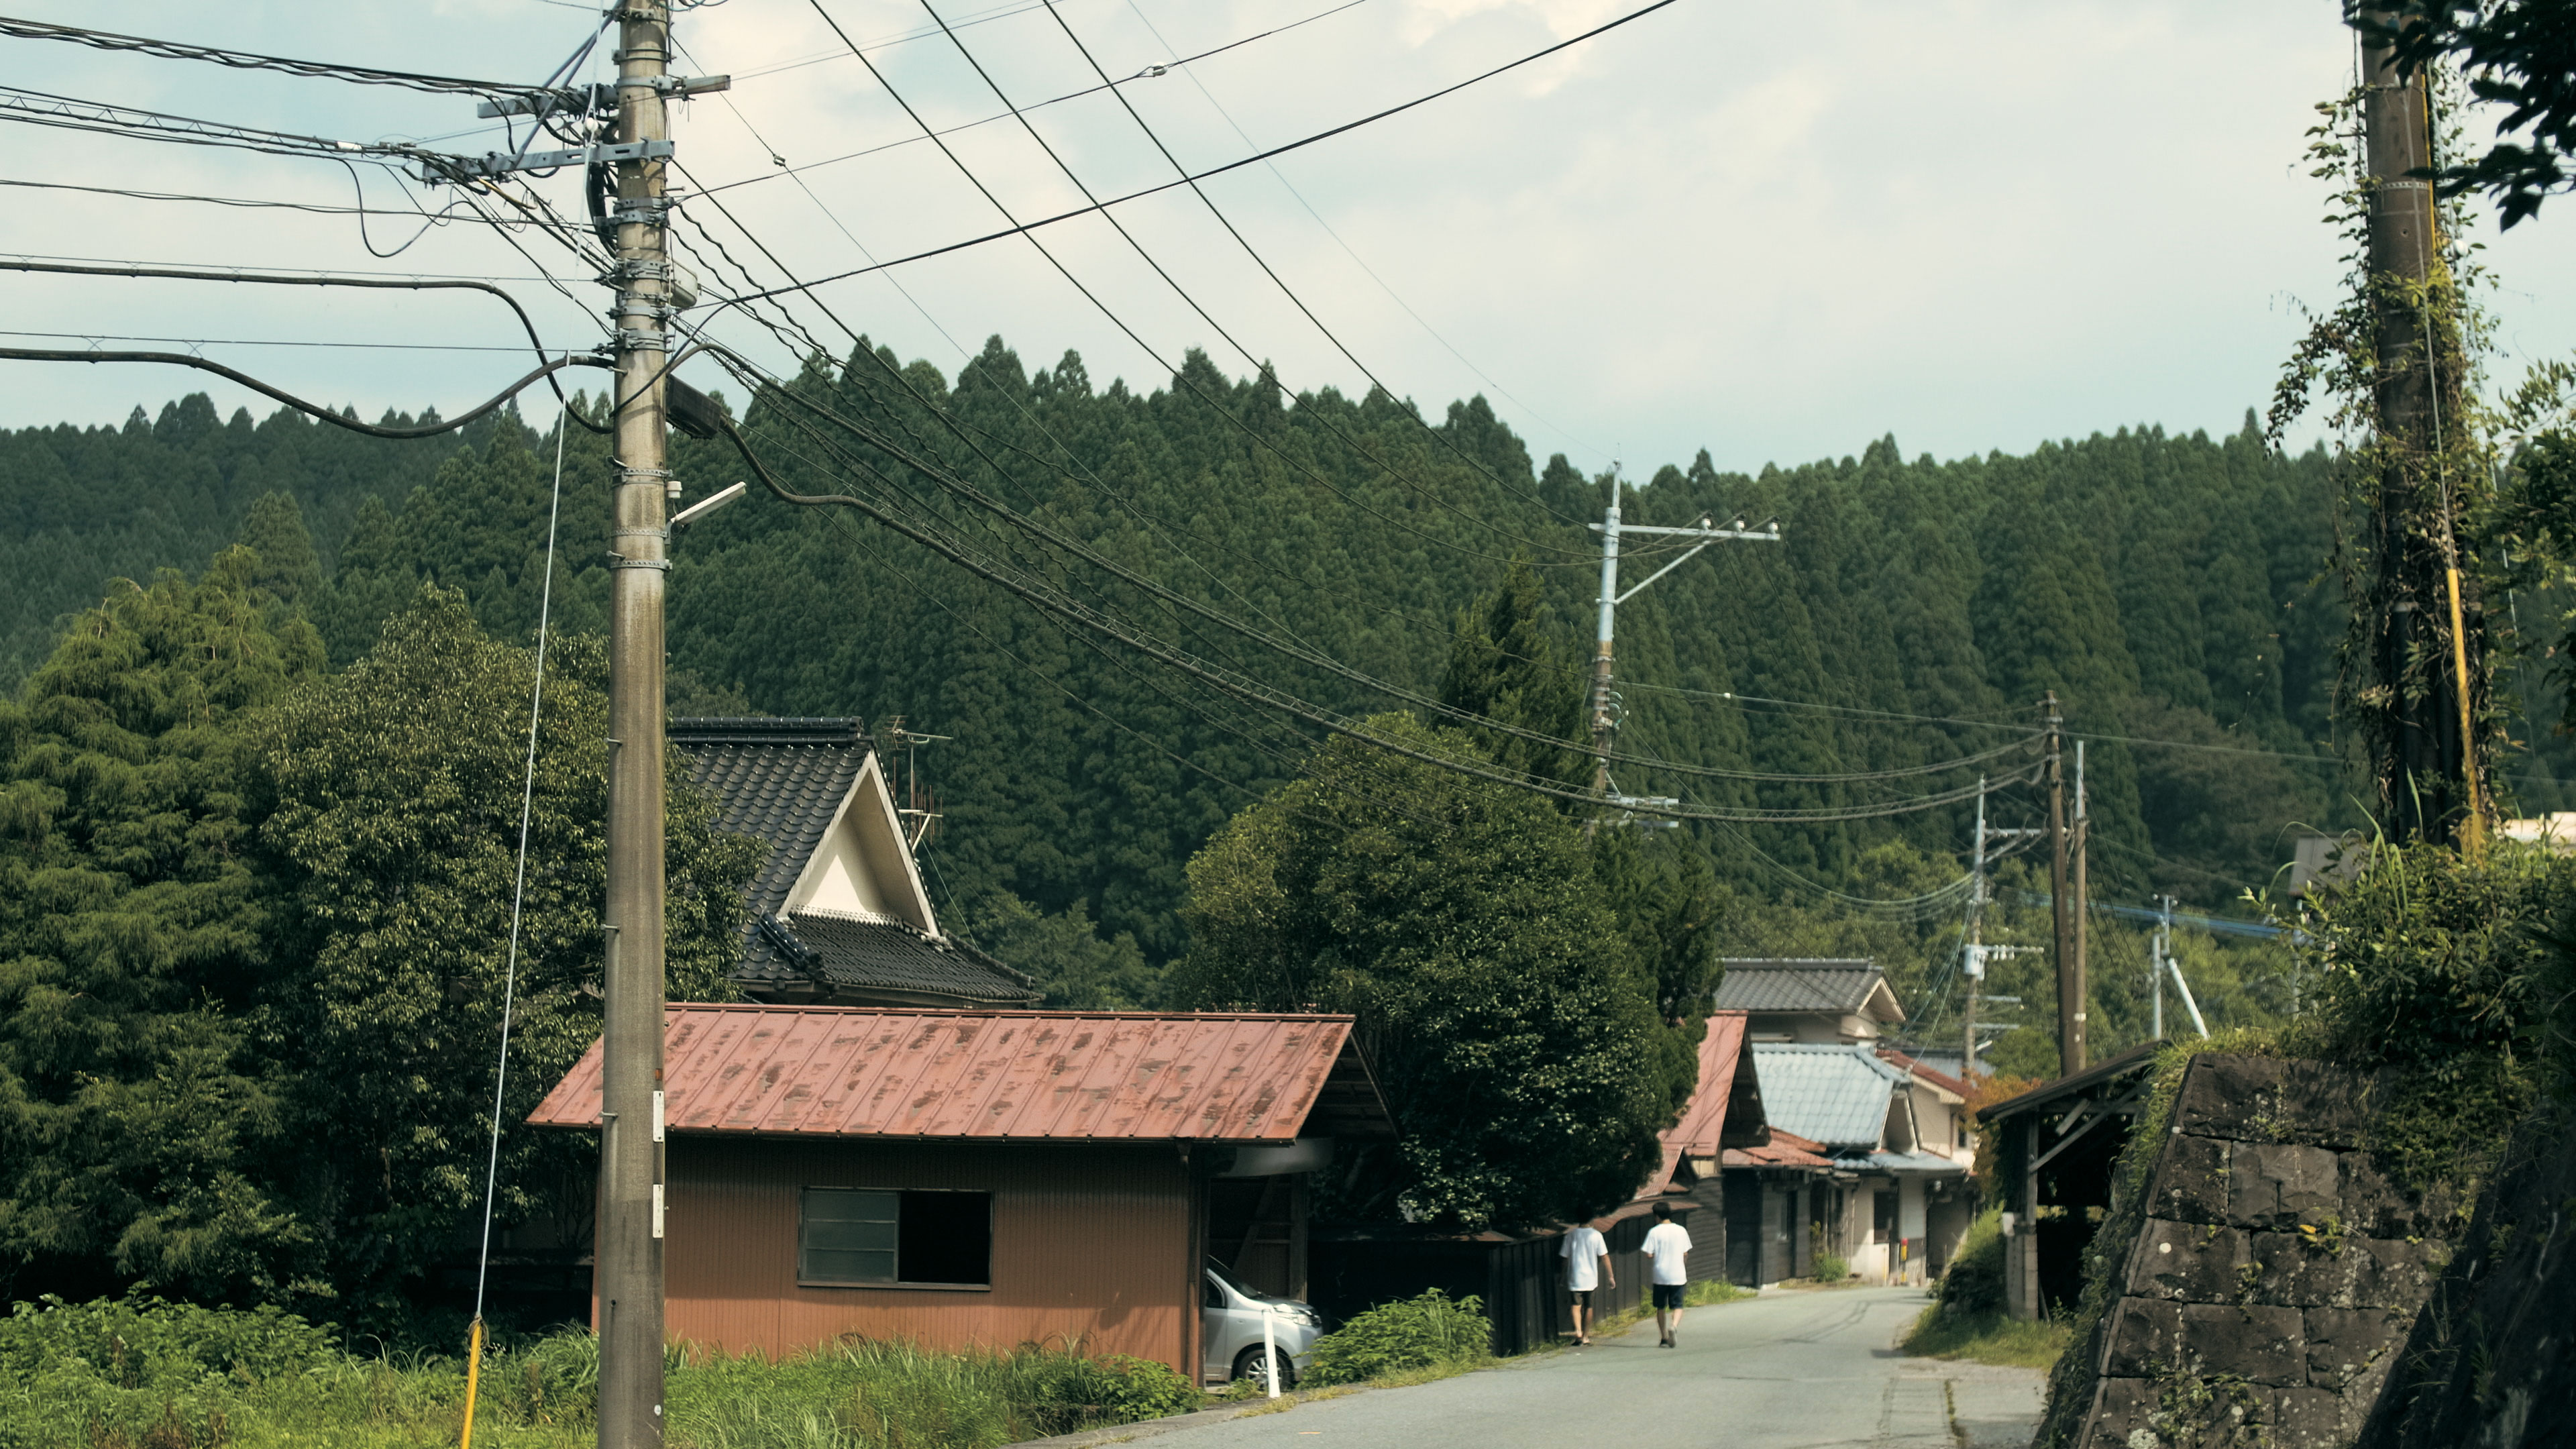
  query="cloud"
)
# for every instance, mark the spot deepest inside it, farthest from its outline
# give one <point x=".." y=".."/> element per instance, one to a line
<point x="1773" y="231"/>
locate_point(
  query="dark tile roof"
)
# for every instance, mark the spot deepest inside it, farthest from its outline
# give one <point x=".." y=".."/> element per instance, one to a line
<point x="781" y="781"/>
<point x="778" y="781"/>
<point x="848" y="956"/>
<point x="1769" y="984"/>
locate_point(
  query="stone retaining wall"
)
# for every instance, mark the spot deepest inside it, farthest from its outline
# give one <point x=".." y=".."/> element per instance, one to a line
<point x="2277" y="1273"/>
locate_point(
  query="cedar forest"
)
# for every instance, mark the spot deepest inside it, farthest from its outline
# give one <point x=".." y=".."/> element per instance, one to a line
<point x="257" y="806"/>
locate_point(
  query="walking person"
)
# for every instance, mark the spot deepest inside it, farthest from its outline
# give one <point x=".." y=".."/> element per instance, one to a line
<point x="1587" y="1266"/>
<point x="1668" y="1246"/>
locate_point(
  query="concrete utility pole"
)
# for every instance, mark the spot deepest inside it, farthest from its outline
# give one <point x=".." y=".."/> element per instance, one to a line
<point x="2070" y="986"/>
<point x="2426" y="749"/>
<point x="1604" y="706"/>
<point x="1976" y="962"/>
<point x="628" y="1245"/>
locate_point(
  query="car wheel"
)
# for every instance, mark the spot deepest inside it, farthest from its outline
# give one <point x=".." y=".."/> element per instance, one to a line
<point x="1250" y="1364"/>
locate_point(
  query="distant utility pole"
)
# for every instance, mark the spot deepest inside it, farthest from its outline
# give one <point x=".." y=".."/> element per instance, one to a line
<point x="628" y="1246"/>
<point x="2166" y="963"/>
<point x="2063" y="908"/>
<point x="2081" y="851"/>
<point x="1605" y="713"/>
<point x="2425" y="744"/>
<point x="1978" y="953"/>
<point x="1975" y="965"/>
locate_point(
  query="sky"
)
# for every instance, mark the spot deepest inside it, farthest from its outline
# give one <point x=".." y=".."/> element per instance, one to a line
<point x="1773" y="232"/>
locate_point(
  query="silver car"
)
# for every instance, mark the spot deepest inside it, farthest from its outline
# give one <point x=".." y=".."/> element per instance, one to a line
<point x="1230" y="1325"/>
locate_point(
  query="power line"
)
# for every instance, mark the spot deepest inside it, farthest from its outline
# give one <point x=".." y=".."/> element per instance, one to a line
<point x="1257" y="259"/>
<point x="1052" y="600"/>
<point x="1304" y="654"/>
<point x="250" y="60"/>
<point x="240" y="275"/>
<point x="266" y="342"/>
<point x="1236" y="165"/>
<point x="1290" y="187"/>
<point x="1179" y="375"/>
<point x="181" y="359"/>
<point x="1180" y="63"/>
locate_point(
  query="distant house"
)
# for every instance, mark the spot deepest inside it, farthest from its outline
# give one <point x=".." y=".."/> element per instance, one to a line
<point x="1894" y="1205"/>
<point x="1725" y="1112"/>
<point x="839" y="916"/>
<point x="968" y="1178"/>
<point x="1809" y="1000"/>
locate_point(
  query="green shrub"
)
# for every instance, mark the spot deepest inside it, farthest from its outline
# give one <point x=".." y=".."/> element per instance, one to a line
<point x="1831" y="1268"/>
<point x="1427" y="1331"/>
<point x="1974" y="1281"/>
<point x="2443" y="966"/>
<point x="1115" y="1390"/>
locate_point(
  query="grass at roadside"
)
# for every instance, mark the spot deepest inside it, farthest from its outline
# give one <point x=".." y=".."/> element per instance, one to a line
<point x="137" y="1374"/>
<point x="1989" y="1337"/>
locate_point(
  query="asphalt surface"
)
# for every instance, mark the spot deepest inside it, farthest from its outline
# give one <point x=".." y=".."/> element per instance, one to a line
<point x="1788" y="1370"/>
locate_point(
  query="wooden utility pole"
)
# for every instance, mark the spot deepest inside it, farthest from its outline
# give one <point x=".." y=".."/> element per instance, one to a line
<point x="628" y="1245"/>
<point x="2070" y="982"/>
<point x="2425" y="651"/>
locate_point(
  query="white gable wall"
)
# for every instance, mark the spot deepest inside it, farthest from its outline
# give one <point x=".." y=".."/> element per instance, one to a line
<point x="862" y="867"/>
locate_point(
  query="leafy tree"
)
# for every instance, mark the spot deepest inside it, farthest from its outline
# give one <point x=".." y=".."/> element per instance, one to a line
<point x="1496" y="1000"/>
<point x="135" y="1108"/>
<point x="1504" y="664"/>
<point x="1077" y="968"/>
<point x="392" y="797"/>
<point x="2520" y="54"/>
<point x="275" y="531"/>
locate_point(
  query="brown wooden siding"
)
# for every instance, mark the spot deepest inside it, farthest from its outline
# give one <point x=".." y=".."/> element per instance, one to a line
<point x="1091" y="1243"/>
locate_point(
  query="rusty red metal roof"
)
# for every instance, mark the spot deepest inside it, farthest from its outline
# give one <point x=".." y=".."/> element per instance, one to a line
<point x="1722" y="1063"/>
<point x="1785" y="1149"/>
<point x="1011" y="1075"/>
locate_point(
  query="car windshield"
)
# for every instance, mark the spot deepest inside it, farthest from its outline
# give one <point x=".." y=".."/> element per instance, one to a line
<point x="1217" y="1271"/>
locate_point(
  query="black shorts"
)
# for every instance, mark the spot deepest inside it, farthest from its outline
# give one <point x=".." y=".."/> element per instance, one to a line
<point x="1582" y="1297"/>
<point x="1669" y="1295"/>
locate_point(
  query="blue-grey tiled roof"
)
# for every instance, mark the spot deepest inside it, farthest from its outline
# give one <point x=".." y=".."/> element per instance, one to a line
<point x="1837" y="1094"/>
<point x="1772" y="984"/>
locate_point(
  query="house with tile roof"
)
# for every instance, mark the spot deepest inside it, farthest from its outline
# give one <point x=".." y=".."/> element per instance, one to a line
<point x="838" y="912"/>
<point x="1815" y="1000"/>
<point x="1892" y="1199"/>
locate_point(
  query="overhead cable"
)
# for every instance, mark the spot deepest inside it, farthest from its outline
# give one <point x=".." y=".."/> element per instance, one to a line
<point x="251" y="60"/>
<point x="1303" y="653"/>
<point x="1438" y="435"/>
<point x="181" y="359"/>
<point x="1180" y="62"/>
<point x="1236" y="165"/>
<point x="308" y="279"/>
<point x="1179" y="376"/>
<point x="1053" y="601"/>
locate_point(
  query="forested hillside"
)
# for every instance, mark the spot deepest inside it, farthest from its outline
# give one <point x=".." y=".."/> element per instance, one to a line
<point x="2177" y="593"/>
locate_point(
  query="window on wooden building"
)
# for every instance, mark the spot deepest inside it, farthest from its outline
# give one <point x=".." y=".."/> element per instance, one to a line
<point x="860" y="1235"/>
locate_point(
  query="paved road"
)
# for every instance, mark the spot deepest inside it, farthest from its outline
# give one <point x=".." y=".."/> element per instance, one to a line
<point x="1789" y="1370"/>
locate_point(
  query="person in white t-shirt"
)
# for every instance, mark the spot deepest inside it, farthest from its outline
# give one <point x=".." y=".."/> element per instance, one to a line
<point x="1587" y="1267"/>
<point x="1668" y="1246"/>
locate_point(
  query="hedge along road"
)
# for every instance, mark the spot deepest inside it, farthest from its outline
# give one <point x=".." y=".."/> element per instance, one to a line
<point x="1805" y="1369"/>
